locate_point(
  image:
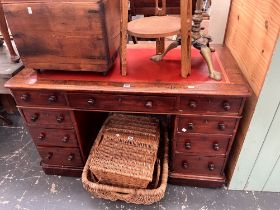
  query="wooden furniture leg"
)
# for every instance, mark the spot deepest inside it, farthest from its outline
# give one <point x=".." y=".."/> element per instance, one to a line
<point x="123" y="47"/>
<point x="5" y="32"/>
<point x="185" y="37"/>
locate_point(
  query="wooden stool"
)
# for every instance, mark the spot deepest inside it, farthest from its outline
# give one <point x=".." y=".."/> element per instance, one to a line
<point x="5" y="32"/>
<point x="159" y="26"/>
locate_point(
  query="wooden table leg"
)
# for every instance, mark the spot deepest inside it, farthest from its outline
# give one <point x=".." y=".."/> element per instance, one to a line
<point x="186" y="6"/>
<point x="5" y="32"/>
<point x="123" y="44"/>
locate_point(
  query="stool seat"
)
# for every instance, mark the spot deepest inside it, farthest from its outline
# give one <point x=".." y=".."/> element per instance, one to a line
<point x="155" y="27"/>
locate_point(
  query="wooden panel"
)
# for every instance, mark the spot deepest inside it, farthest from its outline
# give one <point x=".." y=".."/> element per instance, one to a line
<point x="206" y="145"/>
<point x="226" y="105"/>
<point x="39" y="98"/>
<point x="47" y="117"/>
<point x="122" y="102"/>
<point x="207" y="125"/>
<point x="268" y="156"/>
<point x="62" y="157"/>
<point x="198" y="165"/>
<point x="53" y="137"/>
<point x="252" y="32"/>
<point x="254" y="132"/>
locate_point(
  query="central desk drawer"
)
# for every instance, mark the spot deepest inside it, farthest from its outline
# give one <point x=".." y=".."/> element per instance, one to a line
<point x="53" y="137"/>
<point x="196" y="165"/>
<point x="60" y="156"/>
<point x="207" y="125"/>
<point x="138" y="103"/>
<point x="47" y="117"/>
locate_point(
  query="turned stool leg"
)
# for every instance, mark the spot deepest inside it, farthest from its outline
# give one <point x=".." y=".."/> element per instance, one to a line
<point x="123" y="47"/>
<point x="5" y="32"/>
<point x="185" y="37"/>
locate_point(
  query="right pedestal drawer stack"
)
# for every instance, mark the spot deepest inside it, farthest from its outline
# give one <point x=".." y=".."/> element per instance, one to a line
<point x="202" y="139"/>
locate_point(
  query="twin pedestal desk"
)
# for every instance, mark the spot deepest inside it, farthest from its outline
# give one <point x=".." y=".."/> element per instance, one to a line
<point x="64" y="111"/>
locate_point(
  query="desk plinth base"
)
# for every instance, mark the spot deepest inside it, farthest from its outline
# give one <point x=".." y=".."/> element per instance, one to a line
<point x="196" y="181"/>
<point x="65" y="171"/>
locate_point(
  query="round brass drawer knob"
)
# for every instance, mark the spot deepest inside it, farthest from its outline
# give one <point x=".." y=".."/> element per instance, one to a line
<point x="71" y="157"/>
<point x="192" y="104"/>
<point x="42" y="136"/>
<point x="91" y="101"/>
<point x="65" y="139"/>
<point x="185" y="164"/>
<point x="60" y="118"/>
<point x="49" y="156"/>
<point x="149" y="104"/>
<point x="188" y="145"/>
<point x="34" y="117"/>
<point x="216" y="146"/>
<point x="25" y="97"/>
<point x="52" y="99"/>
<point x="226" y="106"/>
<point x="222" y="126"/>
<point x="211" y="166"/>
<point x="190" y="126"/>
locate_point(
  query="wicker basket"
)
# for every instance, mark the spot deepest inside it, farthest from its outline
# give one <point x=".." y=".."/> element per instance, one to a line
<point x="137" y="196"/>
<point x="126" y="153"/>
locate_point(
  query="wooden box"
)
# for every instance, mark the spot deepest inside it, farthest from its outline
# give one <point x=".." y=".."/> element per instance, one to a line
<point x="59" y="35"/>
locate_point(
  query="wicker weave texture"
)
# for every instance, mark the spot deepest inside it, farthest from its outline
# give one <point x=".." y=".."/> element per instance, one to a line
<point x="129" y="195"/>
<point x="126" y="154"/>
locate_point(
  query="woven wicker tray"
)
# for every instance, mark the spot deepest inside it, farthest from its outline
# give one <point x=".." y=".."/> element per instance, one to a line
<point x="137" y="196"/>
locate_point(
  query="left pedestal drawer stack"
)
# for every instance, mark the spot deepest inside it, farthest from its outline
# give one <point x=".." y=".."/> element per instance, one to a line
<point x="55" y="131"/>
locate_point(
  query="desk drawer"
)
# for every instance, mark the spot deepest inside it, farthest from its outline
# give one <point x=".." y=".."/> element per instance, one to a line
<point x="211" y="104"/>
<point x="207" y="125"/>
<point x="53" y="137"/>
<point x="39" y="98"/>
<point x="197" y="165"/>
<point x="123" y="102"/>
<point x="60" y="156"/>
<point x="202" y="144"/>
<point x="47" y="117"/>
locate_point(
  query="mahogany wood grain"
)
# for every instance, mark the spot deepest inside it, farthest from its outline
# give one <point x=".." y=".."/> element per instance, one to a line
<point x="62" y="157"/>
<point x="226" y="105"/>
<point x="45" y="117"/>
<point x="40" y="98"/>
<point x="53" y="137"/>
<point x="75" y="36"/>
<point x="198" y="165"/>
<point x="122" y="102"/>
<point x="201" y="144"/>
<point x="207" y="124"/>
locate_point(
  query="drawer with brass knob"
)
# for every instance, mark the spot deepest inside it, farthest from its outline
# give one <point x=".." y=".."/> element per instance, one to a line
<point x="206" y="145"/>
<point x="198" y="165"/>
<point x="206" y="124"/>
<point x="203" y="104"/>
<point x="53" y="137"/>
<point x="39" y="98"/>
<point x="60" y="157"/>
<point x="56" y="118"/>
<point x="141" y="103"/>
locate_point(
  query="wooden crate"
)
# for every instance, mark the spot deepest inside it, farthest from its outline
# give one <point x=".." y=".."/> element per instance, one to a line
<point x="75" y="35"/>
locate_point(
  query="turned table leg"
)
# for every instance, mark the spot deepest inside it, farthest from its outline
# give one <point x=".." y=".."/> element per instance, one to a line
<point x="5" y="32"/>
<point x="123" y="44"/>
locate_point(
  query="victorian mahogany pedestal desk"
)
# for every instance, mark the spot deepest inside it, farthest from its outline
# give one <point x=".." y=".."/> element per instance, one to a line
<point x="64" y="111"/>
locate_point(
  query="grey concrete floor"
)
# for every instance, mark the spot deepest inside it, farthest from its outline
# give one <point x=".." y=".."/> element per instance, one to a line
<point x="24" y="186"/>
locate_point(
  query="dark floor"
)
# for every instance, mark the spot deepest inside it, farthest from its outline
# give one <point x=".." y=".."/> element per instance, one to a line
<point x="24" y="186"/>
